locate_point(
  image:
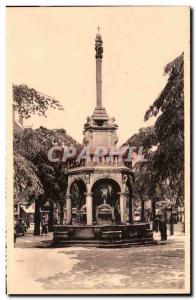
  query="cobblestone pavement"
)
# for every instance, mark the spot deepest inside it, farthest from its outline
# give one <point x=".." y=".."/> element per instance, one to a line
<point x="72" y="268"/>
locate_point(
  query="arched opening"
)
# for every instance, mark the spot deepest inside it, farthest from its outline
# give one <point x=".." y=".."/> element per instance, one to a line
<point x="78" y="201"/>
<point x="106" y="208"/>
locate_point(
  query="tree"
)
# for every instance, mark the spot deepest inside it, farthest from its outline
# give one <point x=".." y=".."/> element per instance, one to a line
<point x="33" y="145"/>
<point x="27" y="101"/>
<point x="169" y="128"/>
<point x="145" y="175"/>
<point x="30" y="149"/>
<point x="146" y="137"/>
<point x="163" y="173"/>
<point x="27" y="185"/>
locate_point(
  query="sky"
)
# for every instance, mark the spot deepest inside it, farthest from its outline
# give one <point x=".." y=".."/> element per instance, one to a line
<point x="52" y="50"/>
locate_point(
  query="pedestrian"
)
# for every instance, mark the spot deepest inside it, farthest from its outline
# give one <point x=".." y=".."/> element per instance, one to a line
<point x="156" y="226"/>
<point x="44" y="226"/>
<point x="28" y="224"/>
<point x="163" y="229"/>
<point x="14" y="234"/>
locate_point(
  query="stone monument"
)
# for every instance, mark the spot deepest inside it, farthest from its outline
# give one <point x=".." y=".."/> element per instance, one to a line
<point x="103" y="215"/>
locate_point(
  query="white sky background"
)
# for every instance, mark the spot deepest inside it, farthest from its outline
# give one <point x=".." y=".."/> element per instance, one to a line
<point x="52" y="50"/>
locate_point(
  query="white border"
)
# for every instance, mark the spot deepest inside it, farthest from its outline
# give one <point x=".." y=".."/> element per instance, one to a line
<point x="191" y="3"/>
<point x="97" y="3"/>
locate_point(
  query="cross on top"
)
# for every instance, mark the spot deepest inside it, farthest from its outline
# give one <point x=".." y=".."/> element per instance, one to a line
<point x="98" y="28"/>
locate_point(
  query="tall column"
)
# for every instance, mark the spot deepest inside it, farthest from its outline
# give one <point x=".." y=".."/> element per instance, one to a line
<point x="89" y="208"/>
<point x="98" y="56"/>
<point x="68" y="209"/>
<point x="123" y="217"/>
<point x="99" y="82"/>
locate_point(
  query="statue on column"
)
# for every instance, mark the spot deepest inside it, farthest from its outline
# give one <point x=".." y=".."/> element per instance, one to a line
<point x="98" y="47"/>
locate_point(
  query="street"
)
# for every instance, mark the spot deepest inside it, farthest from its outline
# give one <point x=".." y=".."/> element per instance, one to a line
<point x="46" y="269"/>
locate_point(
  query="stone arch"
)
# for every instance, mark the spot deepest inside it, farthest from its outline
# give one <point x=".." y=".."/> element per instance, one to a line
<point x="106" y="177"/>
<point x="105" y="193"/>
<point x="77" y="191"/>
<point x="75" y="180"/>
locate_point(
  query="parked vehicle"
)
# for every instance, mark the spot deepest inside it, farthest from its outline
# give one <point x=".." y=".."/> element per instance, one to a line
<point x="20" y="227"/>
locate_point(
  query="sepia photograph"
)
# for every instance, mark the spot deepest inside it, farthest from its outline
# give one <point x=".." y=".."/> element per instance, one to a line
<point x="98" y="150"/>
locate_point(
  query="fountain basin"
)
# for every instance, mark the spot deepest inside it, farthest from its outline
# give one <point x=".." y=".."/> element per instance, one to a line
<point x="138" y="233"/>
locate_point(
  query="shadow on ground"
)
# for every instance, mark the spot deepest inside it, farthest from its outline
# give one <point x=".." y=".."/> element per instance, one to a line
<point x="138" y="267"/>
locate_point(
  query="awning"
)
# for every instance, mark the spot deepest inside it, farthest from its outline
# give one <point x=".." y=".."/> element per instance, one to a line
<point x="30" y="209"/>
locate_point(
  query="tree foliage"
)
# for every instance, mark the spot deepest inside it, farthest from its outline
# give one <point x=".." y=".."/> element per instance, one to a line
<point x="27" y="101"/>
<point x="34" y="143"/>
<point x="33" y="146"/>
<point x="146" y="138"/>
<point x="164" y="169"/>
<point x="169" y="127"/>
<point x="27" y="185"/>
<point x="145" y="175"/>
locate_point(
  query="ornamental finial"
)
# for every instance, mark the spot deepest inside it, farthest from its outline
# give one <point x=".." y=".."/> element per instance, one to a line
<point x="98" y="45"/>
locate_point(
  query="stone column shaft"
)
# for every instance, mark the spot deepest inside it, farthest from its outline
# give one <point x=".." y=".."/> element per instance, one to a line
<point x="123" y="208"/>
<point x="99" y="82"/>
<point x="89" y="209"/>
<point x="69" y="209"/>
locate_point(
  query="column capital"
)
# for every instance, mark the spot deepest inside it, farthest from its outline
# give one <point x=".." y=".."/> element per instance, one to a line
<point x="88" y="194"/>
<point x="123" y="193"/>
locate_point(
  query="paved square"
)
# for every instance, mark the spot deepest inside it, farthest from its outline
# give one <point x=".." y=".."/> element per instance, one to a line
<point x="72" y="268"/>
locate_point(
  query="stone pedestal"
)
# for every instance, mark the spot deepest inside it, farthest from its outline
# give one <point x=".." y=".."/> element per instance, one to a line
<point x="89" y="208"/>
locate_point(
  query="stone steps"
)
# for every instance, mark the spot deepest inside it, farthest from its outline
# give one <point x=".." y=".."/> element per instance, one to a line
<point x="106" y="243"/>
<point x="111" y="235"/>
<point x="124" y="244"/>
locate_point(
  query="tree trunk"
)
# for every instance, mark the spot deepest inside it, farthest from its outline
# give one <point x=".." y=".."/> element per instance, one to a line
<point x="153" y="213"/>
<point x="50" y="221"/>
<point x="142" y="208"/>
<point x="183" y="222"/>
<point x="37" y="218"/>
<point x="171" y="223"/>
<point x="130" y="208"/>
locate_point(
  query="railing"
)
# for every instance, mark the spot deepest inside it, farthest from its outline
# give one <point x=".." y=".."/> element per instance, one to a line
<point x="92" y="161"/>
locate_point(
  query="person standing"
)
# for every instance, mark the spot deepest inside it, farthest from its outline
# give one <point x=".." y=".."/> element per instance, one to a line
<point x="28" y="224"/>
<point x="14" y="233"/>
<point x="163" y="229"/>
<point x="44" y="226"/>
